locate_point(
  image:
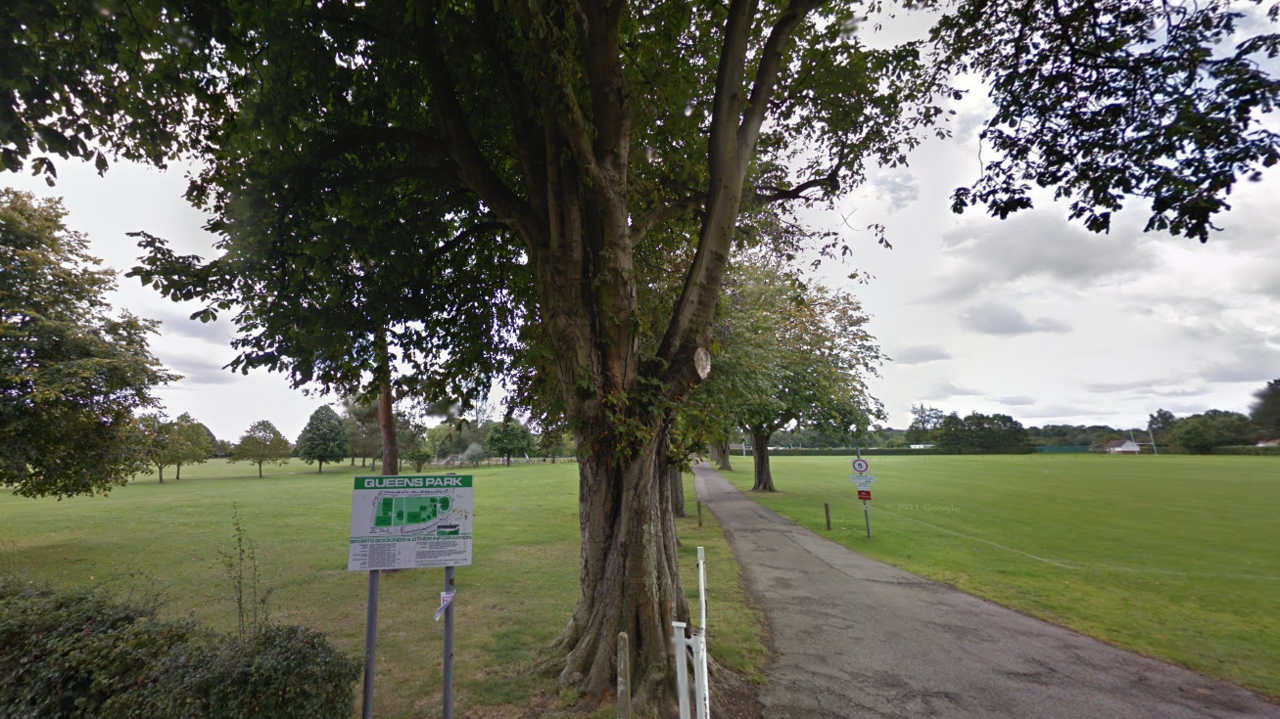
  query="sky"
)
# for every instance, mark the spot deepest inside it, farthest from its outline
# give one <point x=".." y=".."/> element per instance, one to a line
<point x="1031" y="316"/>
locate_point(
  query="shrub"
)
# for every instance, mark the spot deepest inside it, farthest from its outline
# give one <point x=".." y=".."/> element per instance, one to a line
<point x="78" y="653"/>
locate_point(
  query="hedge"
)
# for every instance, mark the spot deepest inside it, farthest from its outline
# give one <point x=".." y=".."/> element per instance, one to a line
<point x="71" y="654"/>
<point x="1250" y="451"/>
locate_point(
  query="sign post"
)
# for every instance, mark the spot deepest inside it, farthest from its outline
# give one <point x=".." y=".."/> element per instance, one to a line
<point x="410" y="522"/>
<point x="864" y="482"/>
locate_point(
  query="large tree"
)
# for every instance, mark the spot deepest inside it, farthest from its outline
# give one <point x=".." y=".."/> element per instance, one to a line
<point x="577" y="137"/>
<point x="1265" y="412"/>
<point x="72" y="371"/>
<point x="262" y="444"/>
<point x="324" y="439"/>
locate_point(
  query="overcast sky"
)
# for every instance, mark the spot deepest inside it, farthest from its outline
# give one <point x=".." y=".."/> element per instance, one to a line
<point x="1032" y="316"/>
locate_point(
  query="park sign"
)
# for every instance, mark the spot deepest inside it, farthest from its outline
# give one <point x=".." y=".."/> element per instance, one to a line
<point x="411" y="522"/>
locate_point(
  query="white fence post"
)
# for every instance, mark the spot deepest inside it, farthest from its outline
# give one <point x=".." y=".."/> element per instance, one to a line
<point x="682" y="670"/>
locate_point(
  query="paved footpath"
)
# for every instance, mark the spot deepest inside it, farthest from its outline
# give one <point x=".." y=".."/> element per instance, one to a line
<point x="857" y="638"/>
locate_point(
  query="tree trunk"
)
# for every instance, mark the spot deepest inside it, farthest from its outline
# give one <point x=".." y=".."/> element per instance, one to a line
<point x="720" y="452"/>
<point x="177" y="474"/>
<point x="386" y="415"/>
<point x="160" y="471"/>
<point x="760" y="453"/>
<point x="259" y="470"/>
<point x="320" y="466"/>
<point x="677" y="492"/>
<point x="630" y="578"/>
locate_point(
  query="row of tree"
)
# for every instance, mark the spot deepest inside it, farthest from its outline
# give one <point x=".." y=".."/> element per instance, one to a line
<point x="1198" y="433"/>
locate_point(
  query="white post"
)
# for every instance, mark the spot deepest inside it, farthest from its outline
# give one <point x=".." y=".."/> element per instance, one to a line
<point x="682" y="670"/>
<point x="702" y="588"/>
<point x="700" y="675"/>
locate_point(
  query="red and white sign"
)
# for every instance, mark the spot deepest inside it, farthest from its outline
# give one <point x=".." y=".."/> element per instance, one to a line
<point x="864" y="494"/>
<point x="860" y="465"/>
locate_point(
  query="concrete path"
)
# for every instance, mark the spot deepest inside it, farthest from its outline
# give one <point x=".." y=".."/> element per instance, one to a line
<point x="857" y="638"/>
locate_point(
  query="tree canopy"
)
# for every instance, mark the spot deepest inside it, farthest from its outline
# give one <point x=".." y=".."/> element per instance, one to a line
<point x="262" y="444"/>
<point x="1265" y="411"/>
<point x="980" y="431"/>
<point x="72" y="371"/>
<point x="510" y="439"/>
<point x="324" y="439"/>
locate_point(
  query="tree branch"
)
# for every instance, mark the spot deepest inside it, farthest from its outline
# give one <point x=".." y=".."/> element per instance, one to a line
<point x="663" y="213"/>
<point x="473" y="169"/>
<point x="767" y="74"/>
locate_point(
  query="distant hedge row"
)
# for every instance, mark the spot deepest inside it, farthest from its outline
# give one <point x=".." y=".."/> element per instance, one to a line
<point x="78" y="654"/>
<point x="1248" y="451"/>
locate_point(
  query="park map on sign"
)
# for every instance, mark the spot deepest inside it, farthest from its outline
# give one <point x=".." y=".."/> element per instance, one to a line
<point x="410" y="521"/>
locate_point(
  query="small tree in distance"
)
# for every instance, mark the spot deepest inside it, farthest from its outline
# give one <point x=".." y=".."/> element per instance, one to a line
<point x="193" y="443"/>
<point x="159" y="443"/>
<point x="324" y="439"/>
<point x="474" y="454"/>
<point x="262" y="443"/>
<point x="1266" y="411"/>
<point x="510" y="439"/>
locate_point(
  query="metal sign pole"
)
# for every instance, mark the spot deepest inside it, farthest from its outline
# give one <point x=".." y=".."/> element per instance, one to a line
<point x="370" y="642"/>
<point x="448" y="647"/>
<point x="866" y="512"/>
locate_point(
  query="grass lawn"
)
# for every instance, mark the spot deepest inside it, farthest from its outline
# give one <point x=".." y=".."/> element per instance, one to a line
<point x="515" y="598"/>
<point x="1176" y="557"/>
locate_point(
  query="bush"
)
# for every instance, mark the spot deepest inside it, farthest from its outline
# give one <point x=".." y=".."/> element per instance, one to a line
<point x="78" y="653"/>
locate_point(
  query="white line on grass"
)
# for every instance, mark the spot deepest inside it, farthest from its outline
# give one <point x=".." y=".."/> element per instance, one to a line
<point x="1086" y="567"/>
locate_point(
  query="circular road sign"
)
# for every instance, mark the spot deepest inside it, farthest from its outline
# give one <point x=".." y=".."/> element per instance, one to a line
<point x="860" y="465"/>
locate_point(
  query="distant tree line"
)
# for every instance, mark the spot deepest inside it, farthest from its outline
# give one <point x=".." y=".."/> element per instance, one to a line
<point x="1198" y="433"/>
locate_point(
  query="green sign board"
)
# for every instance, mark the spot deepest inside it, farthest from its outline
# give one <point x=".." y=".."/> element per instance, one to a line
<point x="411" y="522"/>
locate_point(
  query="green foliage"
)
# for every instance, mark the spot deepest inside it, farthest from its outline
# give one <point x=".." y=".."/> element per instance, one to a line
<point x="72" y="372"/>
<point x="70" y="654"/>
<point x="474" y="454"/>
<point x="194" y="443"/>
<point x="510" y="439"/>
<point x="925" y="423"/>
<point x="324" y="439"/>
<point x="1201" y="433"/>
<point x="262" y="444"/>
<point x="1265" y="412"/>
<point x="419" y="458"/>
<point x="788" y="353"/>
<point x="979" y="431"/>
<point x="360" y="417"/>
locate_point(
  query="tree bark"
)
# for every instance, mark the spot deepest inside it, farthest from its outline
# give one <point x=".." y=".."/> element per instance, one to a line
<point x="760" y="455"/>
<point x="386" y="407"/>
<point x="677" y="492"/>
<point x="177" y="474"/>
<point x="259" y="470"/>
<point x="319" y="466"/>
<point x="630" y="578"/>
<point x="721" y="452"/>
<point x="160" y="471"/>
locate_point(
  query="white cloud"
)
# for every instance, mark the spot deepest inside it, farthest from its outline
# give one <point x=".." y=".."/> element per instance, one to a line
<point x="920" y="354"/>
<point x="943" y="390"/>
<point x="995" y="318"/>
<point x="1018" y="401"/>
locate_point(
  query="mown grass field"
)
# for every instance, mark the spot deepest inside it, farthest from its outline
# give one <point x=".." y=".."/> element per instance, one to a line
<point x="1176" y="557"/>
<point x="514" y="599"/>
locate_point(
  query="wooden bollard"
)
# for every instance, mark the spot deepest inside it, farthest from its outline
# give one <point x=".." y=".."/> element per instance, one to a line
<point x="624" y="677"/>
<point x="827" y="507"/>
<point x="699" y="514"/>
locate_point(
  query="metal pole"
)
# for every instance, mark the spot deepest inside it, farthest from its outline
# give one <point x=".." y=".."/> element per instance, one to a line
<point x="448" y="647"/>
<point x="827" y="506"/>
<point x="866" y="512"/>
<point x="1154" y="449"/>
<point x="370" y="642"/>
<point x="702" y="588"/>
